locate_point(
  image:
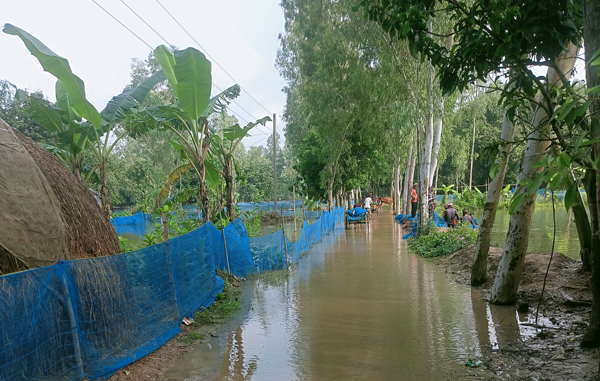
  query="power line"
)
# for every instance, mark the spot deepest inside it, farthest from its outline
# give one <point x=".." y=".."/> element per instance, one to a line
<point x="124" y="26"/>
<point x="169" y="44"/>
<point x="206" y="51"/>
<point x="144" y="21"/>
<point x="148" y="45"/>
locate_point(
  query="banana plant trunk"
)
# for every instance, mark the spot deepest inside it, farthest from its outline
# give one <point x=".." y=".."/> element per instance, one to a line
<point x="203" y="196"/>
<point x="511" y="264"/>
<point x="228" y="169"/>
<point x="479" y="270"/>
<point x="104" y="195"/>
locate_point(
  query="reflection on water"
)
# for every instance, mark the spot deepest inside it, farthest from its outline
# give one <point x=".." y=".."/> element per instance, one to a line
<point x="540" y="238"/>
<point x="358" y="307"/>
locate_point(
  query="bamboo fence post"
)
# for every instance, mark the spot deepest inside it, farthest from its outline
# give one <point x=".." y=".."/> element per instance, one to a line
<point x="294" y="200"/>
<point x="226" y="254"/>
<point x="165" y="226"/>
<point x="287" y="262"/>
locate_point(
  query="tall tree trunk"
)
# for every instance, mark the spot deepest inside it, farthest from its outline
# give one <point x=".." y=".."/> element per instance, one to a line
<point x="228" y="169"/>
<point x="584" y="232"/>
<point x="393" y="190"/>
<point x="410" y="175"/>
<point x="104" y="195"/>
<point x="591" y="36"/>
<point x="472" y="156"/>
<point x="437" y="137"/>
<point x="479" y="270"/>
<point x="425" y="160"/>
<point x="510" y="268"/>
<point x="397" y="183"/>
<point x="592" y="336"/>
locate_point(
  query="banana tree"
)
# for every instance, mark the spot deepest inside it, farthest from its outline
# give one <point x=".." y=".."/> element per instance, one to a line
<point x="75" y="119"/>
<point x="189" y="75"/>
<point x="73" y="133"/>
<point x="225" y="143"/>
<point x="446" y="189"/>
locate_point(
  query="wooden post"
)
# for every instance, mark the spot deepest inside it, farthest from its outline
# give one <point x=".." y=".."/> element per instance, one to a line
<point x="287" y="263"/>
<point x="226" y="254"/>
<point x="275" y="161"/>
<point x="165" y="226"/>
<point x="294" y="200"/>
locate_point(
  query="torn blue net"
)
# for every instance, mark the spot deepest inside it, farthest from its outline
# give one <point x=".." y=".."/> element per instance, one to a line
<point x="86" y="319"/>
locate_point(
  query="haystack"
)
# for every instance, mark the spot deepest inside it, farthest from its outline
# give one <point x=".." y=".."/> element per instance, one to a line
<point x="46" y="213"/>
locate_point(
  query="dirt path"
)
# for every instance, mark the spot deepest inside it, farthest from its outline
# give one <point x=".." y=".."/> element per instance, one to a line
<point x="549" y="354"/>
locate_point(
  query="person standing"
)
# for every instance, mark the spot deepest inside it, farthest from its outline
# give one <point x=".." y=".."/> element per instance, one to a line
<point x="450" y="216"/>
<point x="414" y="200"/>
<point x="368" y="202"/>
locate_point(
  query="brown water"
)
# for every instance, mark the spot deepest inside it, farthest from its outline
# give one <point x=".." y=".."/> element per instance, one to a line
<point x="540" y="238"/>
<point x="358" y="307"/>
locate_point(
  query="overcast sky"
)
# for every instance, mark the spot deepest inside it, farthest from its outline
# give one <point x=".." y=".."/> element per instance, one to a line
<point x="241" y="35"/>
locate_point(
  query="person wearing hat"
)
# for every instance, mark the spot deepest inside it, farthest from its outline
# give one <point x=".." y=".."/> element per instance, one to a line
<point x="414" y="200"/>
<point x="450" y="215"/>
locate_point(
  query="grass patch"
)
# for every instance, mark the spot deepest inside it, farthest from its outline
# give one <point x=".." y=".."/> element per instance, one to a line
<point x="440" y="243"/>
<point x="193" y="336"/>
<point x="224" y="305"/>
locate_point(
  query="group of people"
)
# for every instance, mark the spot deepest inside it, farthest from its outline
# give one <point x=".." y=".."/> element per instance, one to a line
<point x="452" y="218"/>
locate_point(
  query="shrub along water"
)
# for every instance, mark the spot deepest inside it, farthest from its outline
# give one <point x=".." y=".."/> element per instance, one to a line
<point x="443" y="243"/>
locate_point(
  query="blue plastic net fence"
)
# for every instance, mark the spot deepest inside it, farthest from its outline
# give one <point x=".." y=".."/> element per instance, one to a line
<point x="86" y="319"/>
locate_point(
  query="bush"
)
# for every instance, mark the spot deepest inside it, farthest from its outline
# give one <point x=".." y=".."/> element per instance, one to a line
<point x="443" y="243"/>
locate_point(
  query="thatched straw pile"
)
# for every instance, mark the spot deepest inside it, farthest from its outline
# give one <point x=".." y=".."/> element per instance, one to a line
<point x="88" y="232"/>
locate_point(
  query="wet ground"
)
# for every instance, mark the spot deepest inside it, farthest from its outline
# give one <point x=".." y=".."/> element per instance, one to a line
<point x="361" y="307"/>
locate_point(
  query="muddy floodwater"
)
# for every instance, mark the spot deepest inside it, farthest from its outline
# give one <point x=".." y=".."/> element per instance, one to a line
<point x="360" y="306"/>
<point x="540" y="238"/>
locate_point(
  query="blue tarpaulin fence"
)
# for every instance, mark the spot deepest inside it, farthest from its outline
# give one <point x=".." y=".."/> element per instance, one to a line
<point x="86" y="319"/>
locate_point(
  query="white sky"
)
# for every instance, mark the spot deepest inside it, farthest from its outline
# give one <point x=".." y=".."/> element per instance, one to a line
<point x="241" y="35"/>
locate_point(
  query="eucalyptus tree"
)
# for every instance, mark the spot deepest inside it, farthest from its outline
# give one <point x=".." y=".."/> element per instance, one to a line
<point x="507" y="36"/>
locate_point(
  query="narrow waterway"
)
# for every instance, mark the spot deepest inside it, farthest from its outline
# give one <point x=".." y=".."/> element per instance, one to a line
<point x="358" y="307"/>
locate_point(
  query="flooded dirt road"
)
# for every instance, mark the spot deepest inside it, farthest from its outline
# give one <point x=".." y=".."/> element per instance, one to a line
<point x="358" y="307"/>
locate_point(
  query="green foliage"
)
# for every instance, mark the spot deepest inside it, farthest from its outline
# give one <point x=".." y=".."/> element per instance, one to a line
<point x="126" y="245"/>
<point x="14" y="111"/>
<point x="252" y="222"/>
<point x="470" y="199"/>
<point x="224" y="305"/>
<point x="443" y="243"/>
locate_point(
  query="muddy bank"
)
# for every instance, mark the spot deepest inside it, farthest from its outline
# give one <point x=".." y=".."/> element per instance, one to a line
<point x="153" y="366"/>
<point x="552" y="353"/>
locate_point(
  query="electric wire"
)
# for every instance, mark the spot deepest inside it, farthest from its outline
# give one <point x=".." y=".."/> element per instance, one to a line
<point x="144" y="21"/>
<point x="169" y="44"/>
<point x="215" y="61"/>
<point x="124" y="26"/>
<point x="164" y="39"/>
